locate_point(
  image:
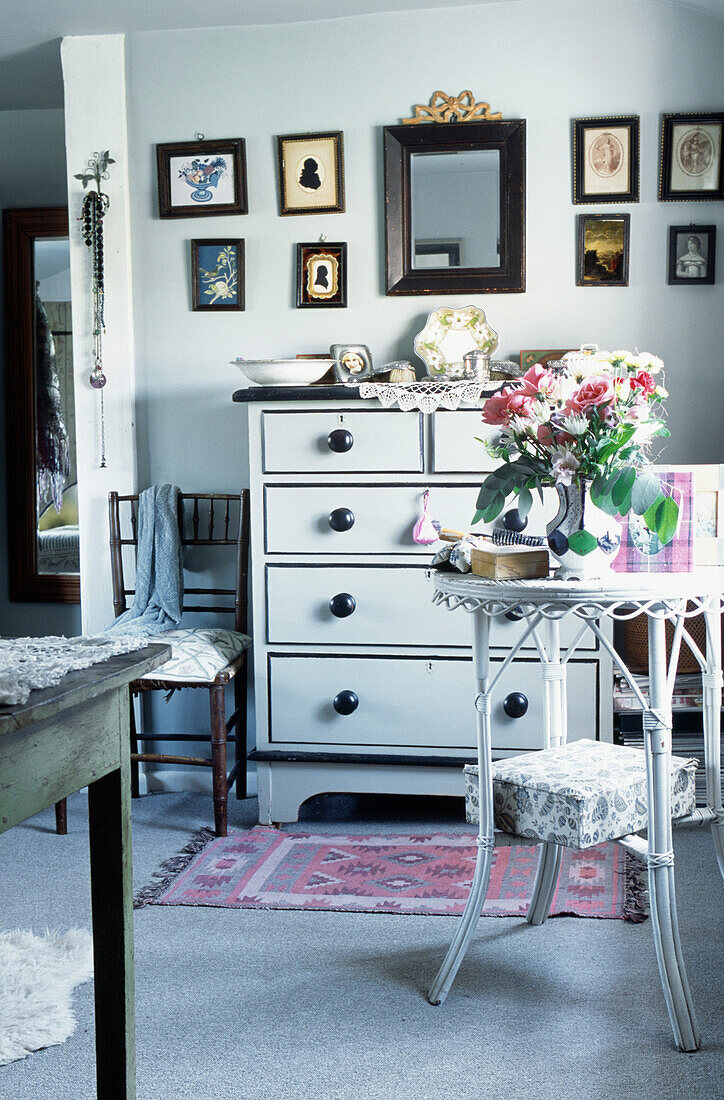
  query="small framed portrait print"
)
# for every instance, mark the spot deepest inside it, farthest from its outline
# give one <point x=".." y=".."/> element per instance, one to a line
<point x="197" y="178"/>
<point x="603" y="249"/>
<point x="311" y="173"/>
<point x="606" y="159"/>
<point x="321" y="275"/>
<point x="217" y="275"/>
<point x="691" y="255"/>
<point x="353" y="362"/>
<point x="691" y="157"/>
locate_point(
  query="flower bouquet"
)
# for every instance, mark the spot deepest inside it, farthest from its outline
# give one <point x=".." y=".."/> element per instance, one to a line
<point x="584" y="429"/>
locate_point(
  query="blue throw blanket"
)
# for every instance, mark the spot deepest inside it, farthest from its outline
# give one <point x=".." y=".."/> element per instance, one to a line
<point x="159" y="565"/>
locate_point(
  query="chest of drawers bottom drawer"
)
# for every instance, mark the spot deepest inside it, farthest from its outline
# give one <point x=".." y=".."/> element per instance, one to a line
<point x="394" y="702"/>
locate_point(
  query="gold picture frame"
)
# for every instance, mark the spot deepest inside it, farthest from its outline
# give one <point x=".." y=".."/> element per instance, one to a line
<point x="311" y="173"/>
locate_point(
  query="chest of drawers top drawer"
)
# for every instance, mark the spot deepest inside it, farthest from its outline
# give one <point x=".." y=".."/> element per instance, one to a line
<point x="339" y="441"/>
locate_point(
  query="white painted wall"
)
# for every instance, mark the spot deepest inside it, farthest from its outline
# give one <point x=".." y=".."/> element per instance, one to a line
<point x="93" y="65"/>
<point x="32" y="173"/>
<point x="547" y="63"/>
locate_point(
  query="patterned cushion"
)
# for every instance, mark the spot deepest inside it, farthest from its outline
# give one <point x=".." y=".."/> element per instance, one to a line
<point x="197" y="655"/>
<point x="578" y="795"/>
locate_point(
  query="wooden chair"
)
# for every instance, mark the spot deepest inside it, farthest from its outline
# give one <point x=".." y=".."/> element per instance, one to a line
<point x="208" y="524"/>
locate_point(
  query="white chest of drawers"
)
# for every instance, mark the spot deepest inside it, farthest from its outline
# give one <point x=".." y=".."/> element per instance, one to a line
<point x="360" y="684"/>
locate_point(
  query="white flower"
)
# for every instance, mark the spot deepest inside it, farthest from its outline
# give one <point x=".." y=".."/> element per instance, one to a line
<point x="649" y="362"/>
<point x="575" y="424"/>
<point x="622" y="358"/>
<point x="564" y="465"/>
<point x="584" y="368"/>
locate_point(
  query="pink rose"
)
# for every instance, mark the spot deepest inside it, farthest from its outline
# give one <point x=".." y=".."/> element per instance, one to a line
<point x="540" y="380"/>
<point x="495" y="409"/>
<point x="520" y="404"/>
<point x="592" y="393"/>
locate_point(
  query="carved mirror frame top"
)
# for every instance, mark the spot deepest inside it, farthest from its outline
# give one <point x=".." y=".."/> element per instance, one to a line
<point x="400" y="142"/>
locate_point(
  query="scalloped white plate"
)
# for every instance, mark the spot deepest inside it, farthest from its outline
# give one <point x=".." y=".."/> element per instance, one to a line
<point x="448" y="334"/>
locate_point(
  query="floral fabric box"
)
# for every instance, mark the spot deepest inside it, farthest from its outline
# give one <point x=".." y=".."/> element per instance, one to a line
<point x="578" y="795"/>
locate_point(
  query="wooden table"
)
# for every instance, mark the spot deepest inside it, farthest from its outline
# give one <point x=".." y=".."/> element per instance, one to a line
<point x="64" y="738"/>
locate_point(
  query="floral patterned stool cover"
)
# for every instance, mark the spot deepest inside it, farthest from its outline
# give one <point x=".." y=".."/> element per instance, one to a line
<point x="198" y="654"/>
<point x="579" y="794"/>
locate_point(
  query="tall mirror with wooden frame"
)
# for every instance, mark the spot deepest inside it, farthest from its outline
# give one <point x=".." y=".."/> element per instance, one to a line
<point x="455" y="207"/>
<point x="42" y="498"/>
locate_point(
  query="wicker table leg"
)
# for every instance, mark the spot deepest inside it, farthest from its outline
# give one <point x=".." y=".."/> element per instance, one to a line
<point x="712" y="680"/>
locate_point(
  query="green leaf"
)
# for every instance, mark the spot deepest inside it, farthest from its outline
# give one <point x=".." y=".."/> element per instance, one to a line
<point x="494" y="508"/>
<point x="667" y="520"/>
<point x="650" y="513"/>
<point x="477" y="517"/>
<point x="582" y="542"/>
<point x="645" y="491"/>
<point x="525" y="501"/>
<point x="621" y="489"/>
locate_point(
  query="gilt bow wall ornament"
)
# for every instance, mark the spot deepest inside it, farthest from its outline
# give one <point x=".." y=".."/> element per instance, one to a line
<point x="452" y="108"/>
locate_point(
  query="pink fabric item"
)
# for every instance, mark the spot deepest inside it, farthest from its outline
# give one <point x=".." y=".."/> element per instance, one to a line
<point x="424" y="531"/>
<point x="432" y="874"/>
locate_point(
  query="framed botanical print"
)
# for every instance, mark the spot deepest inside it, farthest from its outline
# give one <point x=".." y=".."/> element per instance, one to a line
<point x="603" y="249"/>
<point x="201" y="178"/>
<point x="311" y="173"/>
<point x="321" y="275"/>
<point x="691" y="157"/>
<point x="606" y="159"/>
<point x="217" y="275"/>
<point x="692" y="251"/>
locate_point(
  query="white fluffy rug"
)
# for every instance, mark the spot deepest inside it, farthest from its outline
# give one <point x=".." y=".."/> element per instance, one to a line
<point x="37" y="976"/>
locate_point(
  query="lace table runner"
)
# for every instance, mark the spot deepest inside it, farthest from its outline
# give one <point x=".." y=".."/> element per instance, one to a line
<point x="30" y="663"/>
<point x="425" y="396"/>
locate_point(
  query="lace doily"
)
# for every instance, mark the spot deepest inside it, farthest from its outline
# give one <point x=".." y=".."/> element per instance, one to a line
<point x="30" y="663"/>
<point x="426" y="396"/>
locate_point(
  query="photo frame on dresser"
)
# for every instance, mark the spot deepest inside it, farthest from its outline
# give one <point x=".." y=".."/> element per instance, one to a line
<point x="311" y="173"/>
<point x="201" y="178"/>
<point x="691" y="157"/>
<point x="606" y="159"/>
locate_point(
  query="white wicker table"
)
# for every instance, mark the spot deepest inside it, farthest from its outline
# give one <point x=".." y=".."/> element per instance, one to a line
<point x="543" y="603"/>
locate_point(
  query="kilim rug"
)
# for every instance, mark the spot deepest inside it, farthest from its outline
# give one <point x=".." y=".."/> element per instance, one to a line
<point x="268" y="869"/>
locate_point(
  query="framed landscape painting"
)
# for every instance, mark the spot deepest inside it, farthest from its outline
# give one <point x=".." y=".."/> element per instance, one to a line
<point x="603" y="249"/>
<point x="311" y="173"/>
<point x="691" y="157"/>
<point x="201" y="178"/>
<point x="606" y="159"/>
<point x="217" y="275"/>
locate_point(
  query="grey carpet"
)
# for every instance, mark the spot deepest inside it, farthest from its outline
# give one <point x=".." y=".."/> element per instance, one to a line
<point x="264" y="1005"/>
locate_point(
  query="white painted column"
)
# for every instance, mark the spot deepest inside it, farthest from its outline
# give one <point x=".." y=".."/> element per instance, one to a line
<point x="95" y="118"/>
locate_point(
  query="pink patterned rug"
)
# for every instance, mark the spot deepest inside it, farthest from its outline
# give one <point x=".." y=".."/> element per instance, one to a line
<point x="268" y="869"/>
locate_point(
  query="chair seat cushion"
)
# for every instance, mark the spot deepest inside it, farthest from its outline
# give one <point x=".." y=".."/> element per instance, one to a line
<point x="580" y="794"/>
<point x="197" y="655"/>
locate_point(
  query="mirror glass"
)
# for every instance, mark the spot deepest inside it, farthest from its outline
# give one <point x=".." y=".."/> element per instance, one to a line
<point x="56" y="490"/>
<point x="455" y="208"/>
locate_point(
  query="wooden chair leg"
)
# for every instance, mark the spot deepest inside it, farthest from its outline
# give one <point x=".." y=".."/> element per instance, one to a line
<point x="218" y="758"/>
<point x="61" y="817"/>
<point x="135" y="791"/>
<point x="240" y="732"/>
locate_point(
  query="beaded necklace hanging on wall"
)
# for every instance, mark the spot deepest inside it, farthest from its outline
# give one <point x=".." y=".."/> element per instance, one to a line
<point x="95" y="206"/>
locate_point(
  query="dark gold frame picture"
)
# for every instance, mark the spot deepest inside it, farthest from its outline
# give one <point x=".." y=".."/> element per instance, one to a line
<point x="201" y="178"/>
<point x="217" y="275"/>
<point x="606" y="159"/>
<point x="321" y="275"/>
<point x="311" y="173"/>
<point x="691" y="157"/>
<point x="603" y="249"/>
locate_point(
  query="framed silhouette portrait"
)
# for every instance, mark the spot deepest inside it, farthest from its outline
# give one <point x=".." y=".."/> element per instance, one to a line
<point x="691" y="157"/>
<point x="311" y="173"/>
<point x="321" y="275"/>
<point x="606" y="159"/>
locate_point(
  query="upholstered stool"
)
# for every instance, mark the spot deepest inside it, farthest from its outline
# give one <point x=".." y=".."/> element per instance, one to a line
<point x="578" y="795"/>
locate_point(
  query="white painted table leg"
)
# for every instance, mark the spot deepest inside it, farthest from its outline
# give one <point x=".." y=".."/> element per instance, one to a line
<point x="712" y="682"/>
<point x="554" y="684"/>
<point x="486" y="842"/>
<point x="660" y="859"/>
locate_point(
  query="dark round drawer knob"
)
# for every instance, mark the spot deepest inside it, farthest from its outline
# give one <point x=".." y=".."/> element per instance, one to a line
<point x="513" y="521"/>
<point x="346" y="702"/>
<point x="340" y="440"/>
<point x="515" y="705"/>
<point x="341" y="519"/>
<point x="514" y="615"/>
<point x="342" y="605"/>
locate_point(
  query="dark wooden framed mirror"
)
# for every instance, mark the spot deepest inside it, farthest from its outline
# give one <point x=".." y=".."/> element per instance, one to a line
<point x="455" y="207"/>
<point x="42" y="498"/>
